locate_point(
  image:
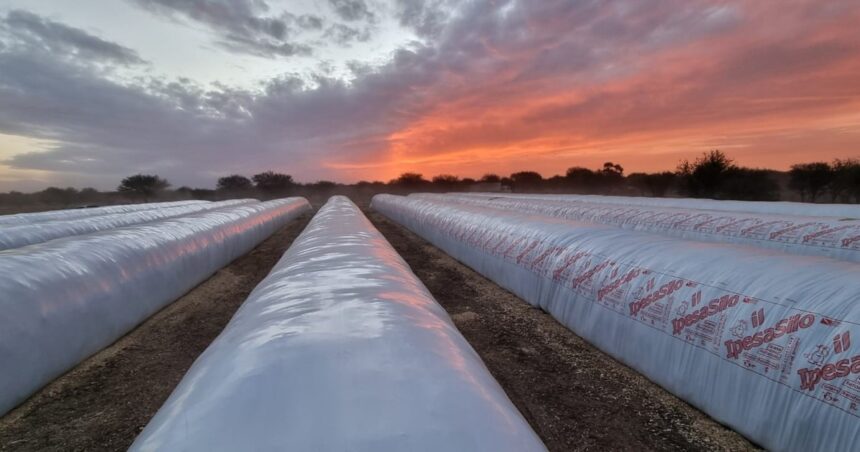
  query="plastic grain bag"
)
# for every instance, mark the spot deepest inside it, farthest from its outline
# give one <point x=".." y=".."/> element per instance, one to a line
<point x="340" y="348"/>
<point x="63" y="300"/>
<point x="762" y="207"/>
<point x="28" y="234"/>
<point x="815" y="236"/>
<point x="762" y="341"/>
<point x="71" y="214"/>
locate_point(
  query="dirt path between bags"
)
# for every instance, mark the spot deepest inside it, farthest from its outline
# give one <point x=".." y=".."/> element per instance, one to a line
<point x="573" y="395"/>
<point x="103" y="403"/>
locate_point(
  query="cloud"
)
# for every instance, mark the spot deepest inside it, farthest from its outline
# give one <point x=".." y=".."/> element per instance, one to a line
<point x="343" y="34"/>
<point x="492" y="86"/>
<point x="352" y="10"/>
<point x="538" y="84"/>
<point x="310" y="22"/>
<point x="242" y="25"/>
<point x="190" y="133"/>
<point x="22" y="28"/>
<point x="426" y="17"/>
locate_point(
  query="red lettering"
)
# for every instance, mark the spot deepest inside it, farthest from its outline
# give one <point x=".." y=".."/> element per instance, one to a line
<point x="810" y="377"/>
<point x="784" y="326"/>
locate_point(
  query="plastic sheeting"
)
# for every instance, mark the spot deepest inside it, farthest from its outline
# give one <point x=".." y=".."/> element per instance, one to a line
<point x="762" y="341"/>
<point x="340" y="348"/>
<point x="816" y="236"/>
<point x="763" y="207"/>
<point x="71" y="214"/>
<point x="66" y="299"/>
<point x="22" y="235"/>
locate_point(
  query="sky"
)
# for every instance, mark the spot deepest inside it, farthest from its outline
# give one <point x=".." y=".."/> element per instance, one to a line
<point x="92" y="91"/>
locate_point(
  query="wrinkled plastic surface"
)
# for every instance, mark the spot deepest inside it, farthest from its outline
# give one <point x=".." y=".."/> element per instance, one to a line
<point x="340" y="348"/>
<point x="764" y="342"/>
<point x="71" y="214"/>
<point x="816" y="236"/>
<point x="763" y="207"/>
<point x="63" y="300"/>
<point x="28" y="234"/>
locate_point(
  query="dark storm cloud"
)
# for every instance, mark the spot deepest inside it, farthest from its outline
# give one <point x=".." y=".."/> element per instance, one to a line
<point x="242" y="25"/>
<point x="28" y="29"/>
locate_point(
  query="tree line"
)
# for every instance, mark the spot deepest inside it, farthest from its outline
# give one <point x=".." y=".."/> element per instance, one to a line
<point x="712" y="175"/>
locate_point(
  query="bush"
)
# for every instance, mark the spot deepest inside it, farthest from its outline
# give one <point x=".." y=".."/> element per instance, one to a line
<point x="526" y="180"/>
<point x="846" y="181"/>
<point x="656" y="184"/>
<point x="143" y="185"/>
<point x="273" y="184"/>
<point x="810" y="179"/>
<point x="235" y="183"/>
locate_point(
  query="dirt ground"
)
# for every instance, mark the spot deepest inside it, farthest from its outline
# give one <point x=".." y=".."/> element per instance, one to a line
<point x="574" y="396"/>
<point x="104" y="402"/>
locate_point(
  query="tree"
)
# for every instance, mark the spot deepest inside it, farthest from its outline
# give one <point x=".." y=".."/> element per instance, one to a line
<point x="409" y="180"/>
<point x="612" y="170"/>
<point x="323" y="185"/>
<point x="746" y="184"/>
<point x="846" y="180"/>
<point x="657" y="184"/>
<point x="703" y="178"/>
<point x="581" y="179"/>
<point x="810" y="179"/>
<point x="446" y="181"/>
<point x="234" y="183"/>
<point x="203" y="193"/>
<point x="556" y="183"/>
<point x="14" y="198"/>
<point x="449" y="179"/>
<point x="490" y="177"/>
<point x="525" y="180"/>
<point x="272" y="183"/>
<point x="88" y="194"/>
<point x="368" y="184"/>
<point x="55" y="195"/>
<point x="610" y="176"/>
<point x="143" y="185"/>
<point x="639" y="181"/>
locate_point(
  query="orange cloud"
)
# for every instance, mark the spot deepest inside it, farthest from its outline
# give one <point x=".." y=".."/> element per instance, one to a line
<point x="779" y="85"/>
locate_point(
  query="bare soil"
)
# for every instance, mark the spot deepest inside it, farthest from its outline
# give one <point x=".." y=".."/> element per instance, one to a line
<point x="573" y="395"/>
<point x="103" y="403"/>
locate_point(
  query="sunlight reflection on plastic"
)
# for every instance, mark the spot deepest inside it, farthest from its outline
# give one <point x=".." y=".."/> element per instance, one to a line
<point x="62" y="300"/>
<point x="759" y="339"/>
<point x="339" y="348"/>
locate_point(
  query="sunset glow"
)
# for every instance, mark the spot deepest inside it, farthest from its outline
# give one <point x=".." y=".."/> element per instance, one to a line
<point x="463" y="88"/>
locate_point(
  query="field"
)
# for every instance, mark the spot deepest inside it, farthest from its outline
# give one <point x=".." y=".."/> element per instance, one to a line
<point x="103" y="403"/>
<point x="573" y="395"/>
